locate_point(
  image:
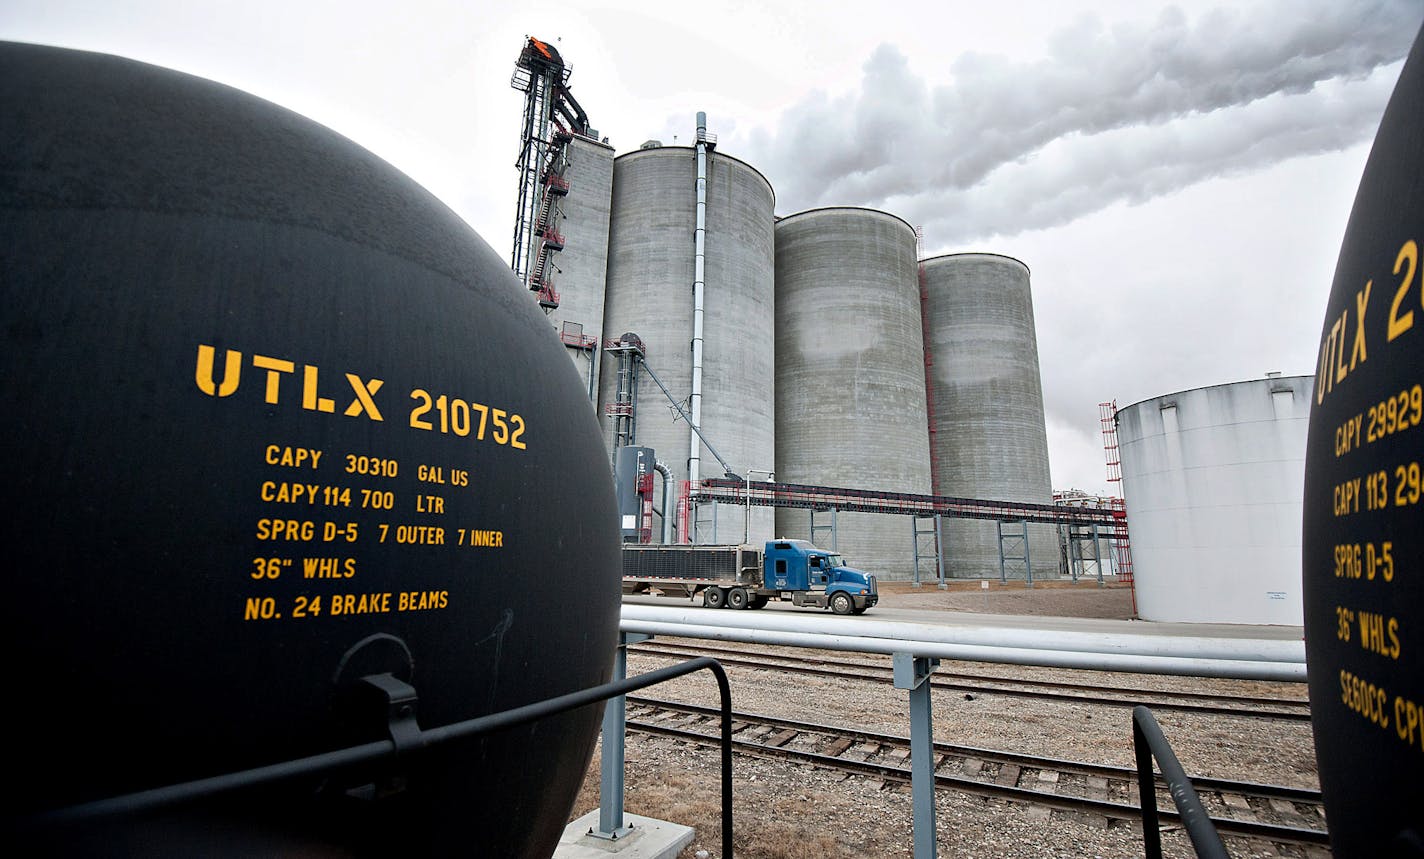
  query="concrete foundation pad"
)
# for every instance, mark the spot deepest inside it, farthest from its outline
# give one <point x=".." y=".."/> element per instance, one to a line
<point x="650" y="839"/>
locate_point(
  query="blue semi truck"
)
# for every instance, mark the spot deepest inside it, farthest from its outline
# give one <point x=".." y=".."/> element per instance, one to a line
<point x="750" y="576"/>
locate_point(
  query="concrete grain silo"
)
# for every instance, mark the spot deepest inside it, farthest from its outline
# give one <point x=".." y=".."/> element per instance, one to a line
<point x="850" y="383"/>
<point x="1212" y="480"/>
<point x="583" y="263"/>
<point x="651" y="275"/>
<point x="987" y="429"/>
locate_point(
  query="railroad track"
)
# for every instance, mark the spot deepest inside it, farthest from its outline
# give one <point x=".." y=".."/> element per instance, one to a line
<point x="1285" y="709"/>
<point x="1275" y="813"/>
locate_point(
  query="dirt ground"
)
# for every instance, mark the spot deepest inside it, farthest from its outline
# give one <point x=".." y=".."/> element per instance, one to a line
<point x="789" y="811"/>
<point x="1044" y="599"/>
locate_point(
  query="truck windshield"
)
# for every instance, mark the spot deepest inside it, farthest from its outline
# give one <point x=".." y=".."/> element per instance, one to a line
<point x="835" y="561"/>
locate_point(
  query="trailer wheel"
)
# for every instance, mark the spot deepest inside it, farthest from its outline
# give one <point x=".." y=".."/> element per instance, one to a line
<point x="737" y="598"/>
<point x="841" y="603"/>
<point x="715" y="597"/>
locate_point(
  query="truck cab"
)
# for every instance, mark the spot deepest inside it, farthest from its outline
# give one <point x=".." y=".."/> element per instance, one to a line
<point x="799" y="571"/>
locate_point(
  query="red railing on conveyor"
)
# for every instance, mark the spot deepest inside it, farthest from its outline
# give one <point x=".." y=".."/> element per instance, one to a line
<point x="758" y="494"/>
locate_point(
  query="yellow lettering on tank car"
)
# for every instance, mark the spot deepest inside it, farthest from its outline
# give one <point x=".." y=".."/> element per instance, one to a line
<point x="232" y="371"/>
<point x="290" y="530"/>
<point x="365" y="397"/>
<point x="293" y="457"/>
<point x="361" y="603"/>
<point x="311" y="401"/>
<point x="274" y="367"/>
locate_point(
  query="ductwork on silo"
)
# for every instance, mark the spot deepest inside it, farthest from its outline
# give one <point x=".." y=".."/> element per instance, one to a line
<point x="989" y="435"/>
<point x="661" y="468"/>
<point x="699" y="262"/>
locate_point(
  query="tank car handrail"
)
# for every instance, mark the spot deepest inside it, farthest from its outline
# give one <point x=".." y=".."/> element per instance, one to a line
<point x="423" y="740"/>
<point x="1149" y="742"/>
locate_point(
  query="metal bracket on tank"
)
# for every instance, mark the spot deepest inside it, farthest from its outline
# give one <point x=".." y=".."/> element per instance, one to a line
<point x="400" y="701"/>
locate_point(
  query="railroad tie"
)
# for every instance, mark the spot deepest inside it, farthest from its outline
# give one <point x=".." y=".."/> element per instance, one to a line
<point x="1097" y="787"/>
<point x="1238" y="804"/>
<point x="837" y="748"/>
<point x="781" y="738"/>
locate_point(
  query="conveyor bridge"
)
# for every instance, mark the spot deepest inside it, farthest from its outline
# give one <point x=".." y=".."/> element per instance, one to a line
<point x="767" y="494"/>
<point x="1079" y="526"/>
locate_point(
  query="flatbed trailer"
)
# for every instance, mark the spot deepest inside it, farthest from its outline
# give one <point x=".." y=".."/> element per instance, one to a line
<point x="744" y="576"/>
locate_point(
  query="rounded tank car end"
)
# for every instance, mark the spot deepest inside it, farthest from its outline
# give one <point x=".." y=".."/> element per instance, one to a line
<point x="293" y="465"/>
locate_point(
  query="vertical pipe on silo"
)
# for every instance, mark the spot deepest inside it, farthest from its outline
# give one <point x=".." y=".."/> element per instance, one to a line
<point x="661" y="468"/>
<point x="699" y="249"/>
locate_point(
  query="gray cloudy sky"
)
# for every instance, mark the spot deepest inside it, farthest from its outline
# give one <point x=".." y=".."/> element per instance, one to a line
<point x="1177" y="176"/>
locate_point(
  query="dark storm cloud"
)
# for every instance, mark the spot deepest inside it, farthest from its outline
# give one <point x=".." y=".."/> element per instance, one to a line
<point x="1121" y="113"/>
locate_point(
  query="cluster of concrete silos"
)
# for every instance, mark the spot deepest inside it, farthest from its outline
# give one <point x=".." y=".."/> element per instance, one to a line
<point x="819" y="333"/>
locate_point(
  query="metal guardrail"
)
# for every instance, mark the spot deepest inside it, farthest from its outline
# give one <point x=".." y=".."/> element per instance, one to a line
<point x="1149" y="742"/>
<point x="406" y="738"/>
<point x="921" y="646"/>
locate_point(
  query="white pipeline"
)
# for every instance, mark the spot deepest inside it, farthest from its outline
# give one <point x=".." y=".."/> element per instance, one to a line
<point x="1185" y="666"/>
<point x="1282" y="660"/>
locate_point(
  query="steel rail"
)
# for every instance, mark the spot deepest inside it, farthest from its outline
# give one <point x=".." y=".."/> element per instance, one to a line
<point x="1125" y="697"/>
<point x="1107" y="808"/>
<point x="1258" y="789"/>
<point x="1224" y="697"/>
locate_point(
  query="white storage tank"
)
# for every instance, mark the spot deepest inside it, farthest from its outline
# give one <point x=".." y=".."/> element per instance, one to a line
<point x="1213" y="481"/>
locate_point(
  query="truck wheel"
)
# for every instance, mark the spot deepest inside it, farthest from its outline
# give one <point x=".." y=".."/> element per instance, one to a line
<point x="716" y="597"/>
<point x="757" y="602"/>
<point x="737" y="598"/>
<point x="841" y="603"/>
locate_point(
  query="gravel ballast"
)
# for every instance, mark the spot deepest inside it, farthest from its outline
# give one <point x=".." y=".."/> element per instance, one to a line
<point x="786" y="810"/>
